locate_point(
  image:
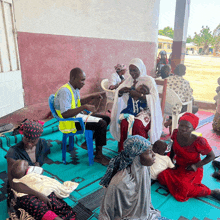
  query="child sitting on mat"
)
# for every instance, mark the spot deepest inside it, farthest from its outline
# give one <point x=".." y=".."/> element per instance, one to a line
<point x="32" y="177"/>
<point x="162" y="161"/>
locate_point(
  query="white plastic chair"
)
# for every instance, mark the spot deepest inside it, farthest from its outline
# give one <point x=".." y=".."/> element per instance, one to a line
<point x="173" y="106"/>
<point x="162" y="93"/>
<point x="109" y="93"/>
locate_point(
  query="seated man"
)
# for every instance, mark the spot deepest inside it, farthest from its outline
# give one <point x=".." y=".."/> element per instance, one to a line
<point x="68" y="104"/>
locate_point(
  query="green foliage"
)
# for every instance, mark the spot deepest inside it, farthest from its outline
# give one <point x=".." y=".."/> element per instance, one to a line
<point x="206" y="38"/>
<point x="167" y="31"/>
<point x="189" y="39"/>
<point x="216" y="38"/>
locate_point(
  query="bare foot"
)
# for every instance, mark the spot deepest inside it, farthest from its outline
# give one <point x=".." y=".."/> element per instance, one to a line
<point x="84" y="145"/>
<point x="102" y="159"/>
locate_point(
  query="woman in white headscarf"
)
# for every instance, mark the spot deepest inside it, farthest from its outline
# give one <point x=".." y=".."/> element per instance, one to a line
<point x="137" y="77"/>
<point x="128" y="183"/>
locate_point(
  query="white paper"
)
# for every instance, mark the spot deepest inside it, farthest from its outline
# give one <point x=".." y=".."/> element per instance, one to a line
<point x="90" y="118"/>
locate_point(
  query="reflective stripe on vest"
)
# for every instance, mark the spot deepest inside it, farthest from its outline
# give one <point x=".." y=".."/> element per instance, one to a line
<point x="68" y="126"/>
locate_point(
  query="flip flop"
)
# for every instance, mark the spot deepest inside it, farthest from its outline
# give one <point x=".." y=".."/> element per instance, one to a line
<point x="6" y="127"/>
<point x="216" y="193"/>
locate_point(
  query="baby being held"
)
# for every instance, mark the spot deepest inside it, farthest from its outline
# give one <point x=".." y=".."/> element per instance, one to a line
<point x="32" y="176"/>
<point x="144" y="114"/>
<point x="162" y="161"/>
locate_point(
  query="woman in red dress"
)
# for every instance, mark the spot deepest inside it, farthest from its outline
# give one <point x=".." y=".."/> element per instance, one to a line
<point x="184" y="181"/>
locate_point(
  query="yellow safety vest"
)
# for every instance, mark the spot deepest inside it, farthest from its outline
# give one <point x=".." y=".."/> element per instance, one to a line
<point x="68" y="126"/>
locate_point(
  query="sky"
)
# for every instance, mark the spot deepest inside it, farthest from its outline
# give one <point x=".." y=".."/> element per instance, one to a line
<point x="202" y="13"/>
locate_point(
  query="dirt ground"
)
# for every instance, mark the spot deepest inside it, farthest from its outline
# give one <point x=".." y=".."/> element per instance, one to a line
<point x="202" y="72"/>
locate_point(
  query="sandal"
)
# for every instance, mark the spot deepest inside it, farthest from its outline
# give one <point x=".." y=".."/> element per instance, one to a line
<point x="216" y="175"/>
<point x="216" y="193"/>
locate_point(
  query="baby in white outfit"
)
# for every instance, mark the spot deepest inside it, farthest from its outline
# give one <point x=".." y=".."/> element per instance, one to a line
<point x="162" y="161"/>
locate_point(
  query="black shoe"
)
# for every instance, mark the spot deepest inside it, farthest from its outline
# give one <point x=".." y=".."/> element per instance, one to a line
<point x="216" y="163"/>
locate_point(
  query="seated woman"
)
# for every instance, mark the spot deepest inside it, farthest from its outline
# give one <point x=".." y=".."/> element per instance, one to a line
<point x="123" y="101"/>
<point x="35" y="204"/>
<point x="136" y="112"/>
<point x="118" y="77"/>
<point x="184" y="182"/>
<point x="128" y="183"/>
<point x="216" y="120"/>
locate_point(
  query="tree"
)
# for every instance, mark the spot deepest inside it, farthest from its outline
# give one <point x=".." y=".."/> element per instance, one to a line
<point x="216" y="38"/>
<point x="207" y="38"/>
<point x="197" y="39"/>
<point x="204" y="39"/>
<point x="167" y="31"/>
<point x="189" y="39"/>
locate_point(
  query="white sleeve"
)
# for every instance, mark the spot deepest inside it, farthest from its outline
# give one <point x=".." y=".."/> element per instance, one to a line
<point x="113" y="80"/>
<point x="170" y="164"/>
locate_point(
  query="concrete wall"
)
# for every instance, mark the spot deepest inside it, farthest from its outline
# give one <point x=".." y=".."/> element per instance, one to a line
<point x="55" y="36"/>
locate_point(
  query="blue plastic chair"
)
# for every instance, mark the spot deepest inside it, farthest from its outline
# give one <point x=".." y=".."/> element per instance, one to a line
<point x="88" y="133"/>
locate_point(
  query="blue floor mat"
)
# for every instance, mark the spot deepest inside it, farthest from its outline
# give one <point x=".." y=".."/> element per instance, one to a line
<point x="86" y="199"/>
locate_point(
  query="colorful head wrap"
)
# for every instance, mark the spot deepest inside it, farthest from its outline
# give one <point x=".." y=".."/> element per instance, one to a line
<point x="133" y="146"/>
<point x="190" y="117"/>
<point x="120" y="67"/>
<point x="31" y="130"/>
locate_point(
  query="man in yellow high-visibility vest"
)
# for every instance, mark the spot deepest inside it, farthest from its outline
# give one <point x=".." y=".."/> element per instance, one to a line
<point x="68" y="104"/>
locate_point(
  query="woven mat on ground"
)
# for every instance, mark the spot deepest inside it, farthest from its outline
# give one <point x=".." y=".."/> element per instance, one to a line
<point x="86" y="199"/>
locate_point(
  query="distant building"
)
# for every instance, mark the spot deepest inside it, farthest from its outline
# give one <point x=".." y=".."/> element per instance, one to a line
<point x="192" y="48"/>
<point x="165" y="43"/>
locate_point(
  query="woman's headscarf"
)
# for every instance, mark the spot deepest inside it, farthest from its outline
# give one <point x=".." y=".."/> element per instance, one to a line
<point x="140" y="65"/>
<point x="31" y="130"/>
<point x="152" y="99"/>
<point x="133" y="147"/>
<point x="128" y="193"/>
<point x="120" y="67"/>
<point x="190" y="117"/>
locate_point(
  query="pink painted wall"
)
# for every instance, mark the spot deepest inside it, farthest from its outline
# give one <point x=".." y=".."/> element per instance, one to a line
<point x="47" y="59"/>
